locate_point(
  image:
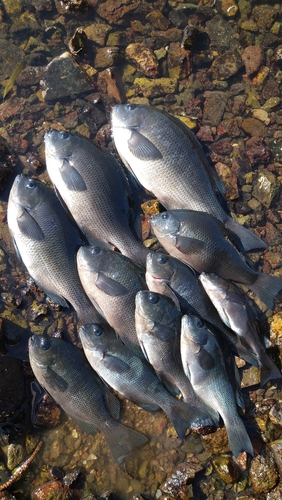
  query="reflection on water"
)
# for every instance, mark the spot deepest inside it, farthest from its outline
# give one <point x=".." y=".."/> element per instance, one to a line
<point x="32" y="34"/>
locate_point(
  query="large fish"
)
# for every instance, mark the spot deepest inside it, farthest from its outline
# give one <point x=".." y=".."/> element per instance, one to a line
<point x="167" y="159"/>
<point x="204" y="365"/>
<point x="47" y="242"/>
<point x="131" y="377"/>
<point x="202" y="242"/>
<point x="94" y="188"/>
<point x="158" y="325"/>
<point x="112" y="280"/>
<point x="233" y="309"/>
<point x="65" y="374"/>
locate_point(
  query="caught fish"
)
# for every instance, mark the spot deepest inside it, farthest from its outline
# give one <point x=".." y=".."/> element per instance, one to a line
<point x="94" y="188"/>
<point x="131" y="377"/>
<point x="202" y="242"/>
<point x="47" y="242"/>
<point x="233" y="309"/>
<point x="204" y="365"/>
<point x="158" y="325"/>
<point x="112" y="280"/>
<point x="167" y="159"/>
<point x="65" y="374"/>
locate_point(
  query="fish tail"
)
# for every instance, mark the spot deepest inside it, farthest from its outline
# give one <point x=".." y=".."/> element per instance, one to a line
<point x="238" y="437"/>
<point x="121" y="440"/>
<point x="184" y="416"/>
<point x="136" y="252"/>
<point x="266" y="287"/>
<point x="249" y="240"/>
<point x="268" y="369"/>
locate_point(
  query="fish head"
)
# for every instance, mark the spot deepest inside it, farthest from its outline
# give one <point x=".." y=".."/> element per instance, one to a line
<point x="193" y="331"/>
<point x="96" y="337"/>
<point x="43" y="350"/>
<point x="132" y="116"/>
<point x="165" y="225"/>
<point x="27" y="192"/>
<point x="92" y="258"/>
<point x="159" y="266"/>
<point x="59" y="144"/>
<point x="214" y="285"/>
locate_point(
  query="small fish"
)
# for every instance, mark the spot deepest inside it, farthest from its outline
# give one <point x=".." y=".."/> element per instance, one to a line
<point x="46" y="241"/>
<point x="204" y="365"/>
<point x="233" y="309"/>
<point x="8" y="84"/>
<point x="158" y="325"/>
<point x="202" y="242"/>
<point x="94" y="188"/>
<point x="112" y="280"/>
<point x="131" y="377"/>
<point x="168" y="160"/>
<point x="65" y="374"/>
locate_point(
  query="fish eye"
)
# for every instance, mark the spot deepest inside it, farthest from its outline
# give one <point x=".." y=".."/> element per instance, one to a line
<point x="131" y="107"/>
<point x="153" y="298"/>
<point x="45" y="343"/>
<point x="95" y="250"/>
<point x="97" y="330"/>
<point x="63" y="134"/>
<point x="162" y="259"/>
<point x="199" y="323"/>
<point x="30" y="184"/>
<point x="165" y="215"/>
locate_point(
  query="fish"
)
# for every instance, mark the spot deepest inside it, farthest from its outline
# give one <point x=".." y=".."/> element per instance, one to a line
<point x="93" y="186"/>
<point x="203" y="364"/>
<point x="168" y="160"/>
<point x="158" y="325"/>
<point x="64" y="372"/>
<point x="133" y="379"/>
<point x="112" y="280"/>
<point x="46" y="241"/>
<point x="202" y="242"/>
<point x="235" y="312"/>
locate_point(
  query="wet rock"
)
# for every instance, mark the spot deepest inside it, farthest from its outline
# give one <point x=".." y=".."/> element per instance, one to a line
<point x="271" y="103"/>
<point x="13" y="7"/>
<point x="26" y="23"/>
<point x="227" y="469"/>
<point x="273" y="236"/>
<point x="229" y="179"/>
<point x="276" y="329"/>
<point x="107" y="56"/>
<point x="253" y="127"/>
<point x="275" y="415"/>
<point x="155" y="88"/>
<point x="221" y="34"/>
<point x="115" y="10"/>
<point x="221" y="147"/>
<point x="228" y="8"/>
<point x="266" y="187"/>
<point x="190" y="35"/>
<point x="263" y="16"/>
<point x="217" y="442"/>
<point x="72" y="5"/>
<point x="15" y="454"/>
<point x="194" y="110"/>
<point x="229" y="128"/>
<point x="261" y="115"/>
<point x="168" y="36"/>
<point x="12" y="389"/>
<point x="36" y="311"/>
<point x="110" y="82"/>
<point x="55" y="490"/>
<point x="263" y="472"/>
<point x="63" y="77"/>
<point x="252" y="58"/>
<point x="78" y="41"/>
<point x="276" y="447"/>
<point x="97" y="33"/>
<point x="46" y="414"/>
<point x="176" y="484"/>
<point x="158" y="20"/>
<point x="257" y="151"/>
<point x="275" y="494"/>
<point x="270" y="89"/>
<point x="31" y="75"/>
<point x="226" y="65"/>
<point x="144" y="57"/>
<point x="205" y="134"/>
<point x="7" y="161"/>
<point x="214" y="106"/>
<point x="177" y="62"/>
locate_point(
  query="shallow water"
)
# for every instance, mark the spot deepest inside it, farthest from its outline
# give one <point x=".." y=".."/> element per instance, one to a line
<point x="25" y="116"/>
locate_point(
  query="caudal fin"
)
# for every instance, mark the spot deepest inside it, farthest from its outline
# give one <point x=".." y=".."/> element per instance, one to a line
<point x="238" y="437"/>
<point x="184" y="416"/>
<point x="121" y="440"/>
<point x="266" y="288"/>
<point x="248" y="239"/>
<point x="269" y="370"/>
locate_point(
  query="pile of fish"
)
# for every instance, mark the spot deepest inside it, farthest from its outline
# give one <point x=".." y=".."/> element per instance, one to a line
<point x="154" y="325"/>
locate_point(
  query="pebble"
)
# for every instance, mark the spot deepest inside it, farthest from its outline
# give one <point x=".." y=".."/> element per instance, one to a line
<point x="15" y="454"/>
<point x="263" y="472"/>
<point x="155" y="88"/>
<point x="252" y="58"/>
<point x="228" y="8"/>
<point x="229" y="179"/>
<point x="275" y="415"/>
<point x="97" y="33"/>
<point x="214" y="106"/>
<point x="275" y="494"/>
<point x="249" y="25"/>
<point x="158" y="20"/>
<point x="144" y="57"/>
<point x="176" y="484"/>
<point x="262" y="115"/>
<point x="271" y="103"/>
<point x="226" y="65"/>
<point x="226" y="468"/>
<point x="114" y="12"/>
<point x="265" y="187"/>
<point x="253" y="127"/>
<point x="109" y="82"/>
<point x="107" y="56"/>
<point x="221" y="34"/>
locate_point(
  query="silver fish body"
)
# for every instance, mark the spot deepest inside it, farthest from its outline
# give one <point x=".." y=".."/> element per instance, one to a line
<point x="233" y="309"/>
<point x="201" y="241"/>
<point x="112" y="280"/>
<point x="66" y="375"/>
<point x="94" y="188"/>
<point x="167" y="159"/>
<point x="132" y="377"/>
<point x="47" y="242"/>
<point x="204" y="365"/>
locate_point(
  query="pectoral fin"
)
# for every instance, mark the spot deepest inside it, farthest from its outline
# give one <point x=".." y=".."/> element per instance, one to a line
<point x="72" y="177"/>
<point x="57" y="382"/>
<point x="205" y="359"/>
<point x="110" y="286"/>
<point x="115" y="364"/>
<point x="189" y="245"/>
<point x="29" y="227"/>
<point x="142" y="148"/>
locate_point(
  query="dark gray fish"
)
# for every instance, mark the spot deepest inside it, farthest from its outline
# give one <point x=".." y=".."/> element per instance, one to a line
<point x="112" y="280"/>
<point x="47" y="243"/>
<point x="65" y="374"/>
<point x="204" y="365"/>
<point x="158" y="326"/>
<point x="167" y="159"/>
<point x="94" y="188"/>
<point x="233" y="309"/>
<point x="202" y="242"/>
<point x="131" y="377"/>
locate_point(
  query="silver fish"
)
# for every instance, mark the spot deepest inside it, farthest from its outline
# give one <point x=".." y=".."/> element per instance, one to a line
<point x="233" y="309"/>
<point x="94" y="188"/>
<point x="131" y="377"/>
<point x="112" y="280"/>
<point x="201" y="241"/>
<point x="167" y="159"/>
<point x="204" y="365"/>
<point x="47" y="242"/>
<point x="67" y="376"/>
